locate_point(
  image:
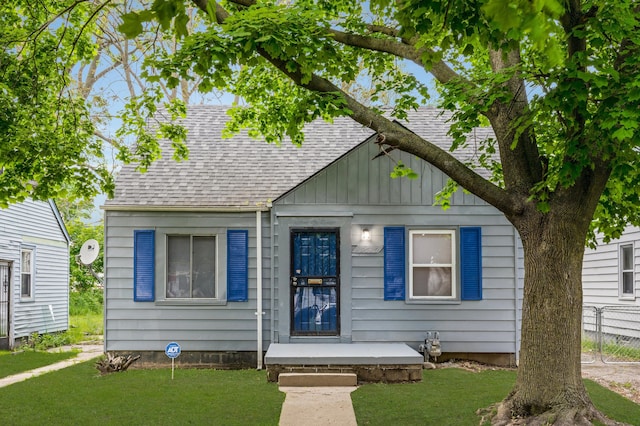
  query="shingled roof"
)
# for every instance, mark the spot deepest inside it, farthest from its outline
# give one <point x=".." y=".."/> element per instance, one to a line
<point x="246" y="173"/>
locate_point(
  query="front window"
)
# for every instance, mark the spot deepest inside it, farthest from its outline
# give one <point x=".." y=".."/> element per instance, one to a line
<point x="191" y="267"/>
<point x="26" y="274"/>
<point x="626" y="271"/>
<point x="432" y="264"/>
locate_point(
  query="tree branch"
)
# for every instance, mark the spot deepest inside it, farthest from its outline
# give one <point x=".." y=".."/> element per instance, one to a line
<point x="395" y="134"/>
<point x="521" y="163"/>
<point x="440" y="70"/>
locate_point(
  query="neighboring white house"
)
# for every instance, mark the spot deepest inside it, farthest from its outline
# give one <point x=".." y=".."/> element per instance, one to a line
<point x="611" y="292"/>
<point x="34" y="271"/>
<point x="610" y="272"/>
<point x="247" y="244"/>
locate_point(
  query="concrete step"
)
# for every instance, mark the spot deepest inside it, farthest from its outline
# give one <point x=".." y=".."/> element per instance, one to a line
<point x="317" y="379"/>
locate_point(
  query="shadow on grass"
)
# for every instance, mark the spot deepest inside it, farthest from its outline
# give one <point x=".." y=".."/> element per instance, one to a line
<point x="451" y="397"/>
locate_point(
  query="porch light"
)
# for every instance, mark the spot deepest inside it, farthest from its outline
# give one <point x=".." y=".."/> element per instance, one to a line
<point x="366" y="234"/>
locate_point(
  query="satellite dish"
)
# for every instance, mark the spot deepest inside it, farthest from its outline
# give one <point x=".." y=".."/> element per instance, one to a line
<point x="89" y="252"/>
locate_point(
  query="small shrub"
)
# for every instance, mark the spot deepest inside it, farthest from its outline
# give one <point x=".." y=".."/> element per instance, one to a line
<point x="86" y="302"/>
<point x="42" y="342"/>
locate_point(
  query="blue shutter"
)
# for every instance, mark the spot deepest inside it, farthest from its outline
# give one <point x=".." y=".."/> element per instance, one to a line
<point x="144" y="243"/>
<point x="471" y="260"/>
<point x="237" y="266"/>
<point x="394" y="263"/>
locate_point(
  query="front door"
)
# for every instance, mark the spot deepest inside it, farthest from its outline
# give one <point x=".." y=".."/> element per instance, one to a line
<point x="5" y="287"/>
<point x="315" y="282"/>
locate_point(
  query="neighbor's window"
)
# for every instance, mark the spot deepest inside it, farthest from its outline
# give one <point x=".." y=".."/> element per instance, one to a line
<point x="191" y="266"/>
<point x="626" y="271"/>
<point x="26" y="274"/>
<point x="432" y="264"/>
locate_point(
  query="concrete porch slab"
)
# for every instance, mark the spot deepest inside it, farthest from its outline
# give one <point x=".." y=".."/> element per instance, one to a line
<point x="370" y="362"/>
<point x="341" y="354"/>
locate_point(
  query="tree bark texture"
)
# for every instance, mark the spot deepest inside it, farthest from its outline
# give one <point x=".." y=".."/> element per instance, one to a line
<point x="549" y="387"/>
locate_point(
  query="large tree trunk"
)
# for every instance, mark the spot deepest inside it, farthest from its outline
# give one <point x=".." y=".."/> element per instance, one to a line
<point x="549" y="387"/>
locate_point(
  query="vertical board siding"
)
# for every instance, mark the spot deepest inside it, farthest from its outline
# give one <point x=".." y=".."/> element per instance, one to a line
<point x="33" y="224"/>
<point x="150" y="326"/>
<point x="356" y="179"/>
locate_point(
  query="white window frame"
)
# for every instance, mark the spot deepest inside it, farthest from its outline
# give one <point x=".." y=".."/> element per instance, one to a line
<point x="216" y="289"/>
<point x="623" y="271"/>
<point x="453" y="265"/>
<point x="30" y="273"/>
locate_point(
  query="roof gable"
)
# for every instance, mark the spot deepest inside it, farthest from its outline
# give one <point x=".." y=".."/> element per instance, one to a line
<point x="242" y="172"/>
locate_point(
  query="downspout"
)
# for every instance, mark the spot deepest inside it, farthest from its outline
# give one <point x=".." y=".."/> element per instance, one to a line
<point x="515" y="293"/>
<point x="272" y="274"/>
<point x="259" y="312"/>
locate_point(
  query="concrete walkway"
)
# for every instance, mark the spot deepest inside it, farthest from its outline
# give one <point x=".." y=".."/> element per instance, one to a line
<point x="318" y="406"/>
<point x="87" y="353"/>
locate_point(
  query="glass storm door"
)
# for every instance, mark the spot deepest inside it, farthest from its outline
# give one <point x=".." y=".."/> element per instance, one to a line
<point x="315" y="282"/>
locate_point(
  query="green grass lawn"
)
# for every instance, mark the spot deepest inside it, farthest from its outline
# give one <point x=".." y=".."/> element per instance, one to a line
<point x="86" y="326"/>
<point x="78" y="395"/>
<point x="452" y="396"/>
<point x="18" y="362"/>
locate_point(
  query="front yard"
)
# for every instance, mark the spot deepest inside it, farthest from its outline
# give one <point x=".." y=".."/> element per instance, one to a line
<point x="79" y="395"/>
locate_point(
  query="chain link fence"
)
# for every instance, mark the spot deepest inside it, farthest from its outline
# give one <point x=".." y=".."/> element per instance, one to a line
<point x="612" y="333"/>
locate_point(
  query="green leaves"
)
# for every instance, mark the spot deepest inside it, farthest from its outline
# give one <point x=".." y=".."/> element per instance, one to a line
<point x="47" y="143"/>
<point x="400" y="170"/>
<point x="167" y="13"/>
<point x="144" y="123"/>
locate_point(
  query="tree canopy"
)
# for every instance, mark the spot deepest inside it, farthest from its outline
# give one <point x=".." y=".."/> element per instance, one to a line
<point x="47" y="147"/>
<point x="557" y="80"/>
<point x="565" y="72"/>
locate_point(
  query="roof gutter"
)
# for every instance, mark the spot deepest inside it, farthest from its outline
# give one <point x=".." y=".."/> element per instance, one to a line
<point x="201" y="209"/>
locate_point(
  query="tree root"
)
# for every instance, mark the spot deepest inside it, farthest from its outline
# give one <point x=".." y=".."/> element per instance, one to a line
<point x="114" y="363"/>
<point x="503" y="414"/>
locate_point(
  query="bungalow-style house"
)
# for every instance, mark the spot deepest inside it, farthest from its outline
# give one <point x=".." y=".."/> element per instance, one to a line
<point x="249" y="247"/>
<point x="34" y="271"/>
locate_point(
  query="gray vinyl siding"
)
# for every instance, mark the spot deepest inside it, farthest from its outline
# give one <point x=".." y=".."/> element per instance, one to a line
<point x="350" y="193"/>
<point x="356" y="192"/>
<point x="601" y="273"/>
<point x="34" y="225"/>
<point x="140" y="326"/>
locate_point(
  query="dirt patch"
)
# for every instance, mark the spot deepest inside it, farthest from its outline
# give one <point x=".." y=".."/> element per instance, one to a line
<point x="623" y="379"/>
